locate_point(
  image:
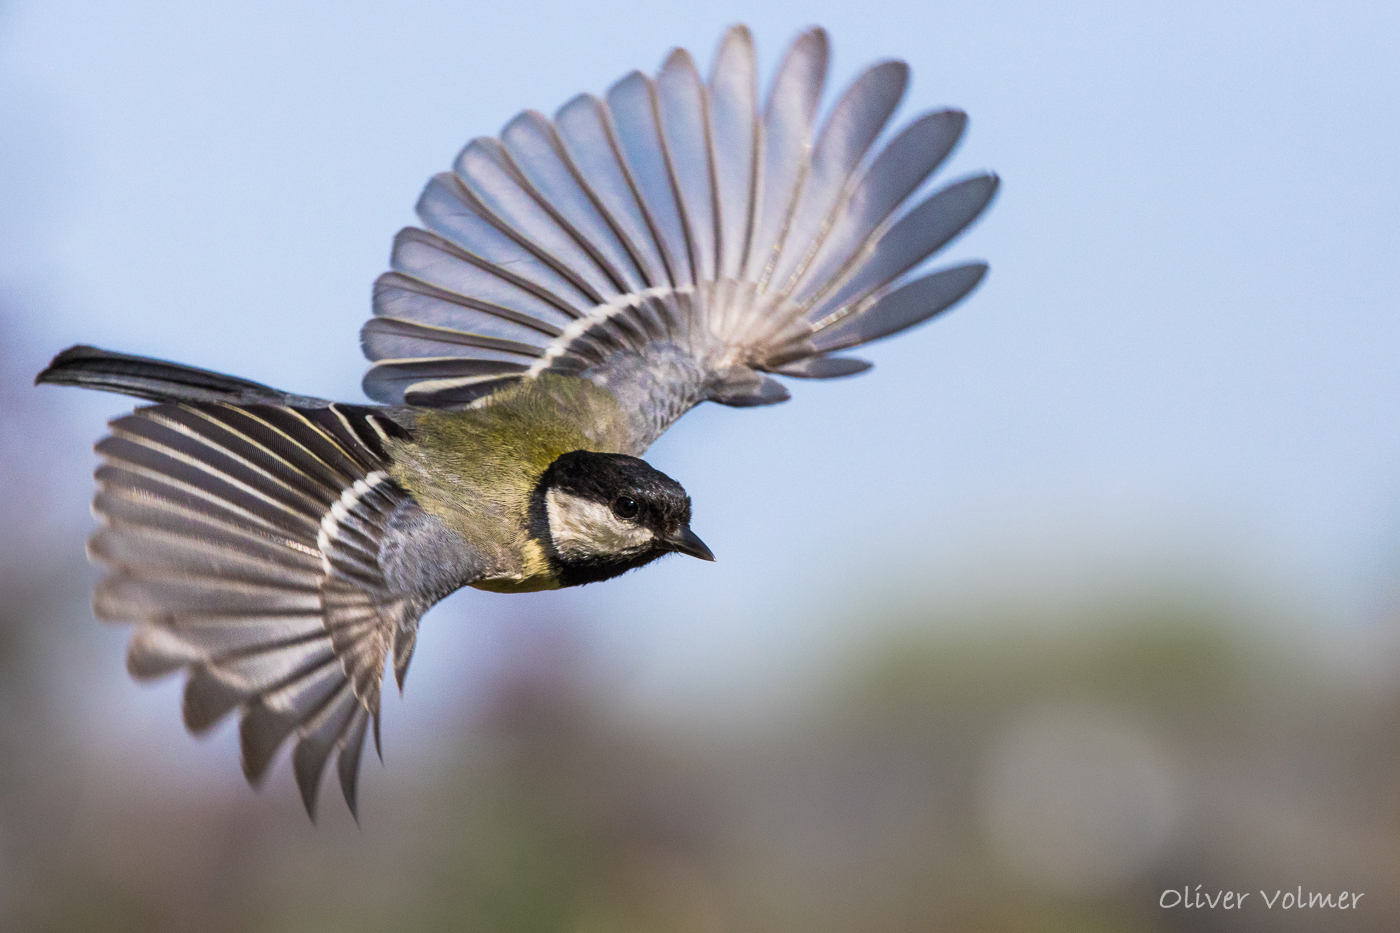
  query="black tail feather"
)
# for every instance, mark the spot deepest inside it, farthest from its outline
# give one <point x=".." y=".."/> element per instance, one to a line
<point x="156" y="380"/>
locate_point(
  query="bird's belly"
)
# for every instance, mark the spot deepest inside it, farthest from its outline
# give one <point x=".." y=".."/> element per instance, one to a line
<point x="533" y="575"/>
<point x="518" y="584"/>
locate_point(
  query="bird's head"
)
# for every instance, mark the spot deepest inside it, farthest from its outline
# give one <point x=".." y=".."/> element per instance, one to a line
<point x="599" y="515"/>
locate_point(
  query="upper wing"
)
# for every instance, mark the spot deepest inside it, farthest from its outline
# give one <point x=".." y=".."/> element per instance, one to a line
<point x="675" y="242"/>
<point x="248" y="544"/>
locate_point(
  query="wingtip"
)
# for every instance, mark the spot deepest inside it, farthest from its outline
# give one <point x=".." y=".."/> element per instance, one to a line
<point x="678" y="58"/>
<point x="206" y="700"/>
<point x="802" y="72"/>
<point x="154" y="652"/>
<point x="825" y="367"/>
<point x="625" y="84"/>
<point x="348" y="764"/>
<point x="310" y="805"/>
<point x="308" y="769"/>
<point x="897" y="66"/>
<point x="261" y="733"/>
<point x="993" y="182"/>
<point x="78" y="351"/>
<point x="819" y="37"/>
<point x="735" y="56"/>
<point x="349" y="792"/>
<point x="737" y="32"/>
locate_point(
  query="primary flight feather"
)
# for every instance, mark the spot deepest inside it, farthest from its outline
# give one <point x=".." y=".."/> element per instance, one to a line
<point x="578" y="284"/>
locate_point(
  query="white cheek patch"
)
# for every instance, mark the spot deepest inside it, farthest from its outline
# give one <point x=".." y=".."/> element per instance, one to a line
<point x="582" y="528"/>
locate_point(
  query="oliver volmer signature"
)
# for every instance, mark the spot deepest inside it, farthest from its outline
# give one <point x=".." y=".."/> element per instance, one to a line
<point x="1280" y="899"/>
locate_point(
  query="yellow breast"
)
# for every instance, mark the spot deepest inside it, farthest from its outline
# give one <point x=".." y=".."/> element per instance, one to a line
<point x="535" y="575"/>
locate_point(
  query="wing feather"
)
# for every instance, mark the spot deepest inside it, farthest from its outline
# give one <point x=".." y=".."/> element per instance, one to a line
<point x="520" y="275"/>
<point x="487" y="171"/>
<point x="733" y="97"/>
<point x="327" y="727"/>
<point x="589" y="142"/>
<point x="677" y="241"/>
<point x="516" y="285"/>
<point x="348" y="760"/>
<point x="684" y="118"/>
<point x="401" y="297"/>
<point x="536" y="149"/>
<point x="855" y="121"/>
<point x="897" y="172"/>
<point x="244" y="543"/>
<point x="388" y="338"/>
<point x="632" y="104"/>
<point x="911" y="304"/>
<point x="912" y="239"/>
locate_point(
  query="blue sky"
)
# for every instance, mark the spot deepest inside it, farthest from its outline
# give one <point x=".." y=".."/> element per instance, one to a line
<point x="1184" y="360"/>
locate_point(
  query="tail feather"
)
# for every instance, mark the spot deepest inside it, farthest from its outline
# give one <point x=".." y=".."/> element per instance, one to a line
<point x="157" y="380"/>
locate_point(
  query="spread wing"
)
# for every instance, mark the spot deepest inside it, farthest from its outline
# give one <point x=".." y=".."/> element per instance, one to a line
<point x="675" y="242"/>
<point x="245" y="541"/>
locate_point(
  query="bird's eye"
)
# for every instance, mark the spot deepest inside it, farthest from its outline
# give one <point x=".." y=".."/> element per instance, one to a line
<point x="625" y="507"/>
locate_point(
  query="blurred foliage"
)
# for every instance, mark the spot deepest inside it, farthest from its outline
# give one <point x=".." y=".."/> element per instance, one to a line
<point x="869" y="812"/>
<point x="1142" y="655"/>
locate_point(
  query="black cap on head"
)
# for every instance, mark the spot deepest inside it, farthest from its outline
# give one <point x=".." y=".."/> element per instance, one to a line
<point x="661" y="502"/>
<point x="634" y="493"/>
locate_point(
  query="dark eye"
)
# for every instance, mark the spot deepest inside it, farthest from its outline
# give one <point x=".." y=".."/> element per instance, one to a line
<point x="624" y="507"/>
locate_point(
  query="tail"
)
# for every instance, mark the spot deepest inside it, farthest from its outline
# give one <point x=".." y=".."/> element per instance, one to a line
<point x="158" y="380"/>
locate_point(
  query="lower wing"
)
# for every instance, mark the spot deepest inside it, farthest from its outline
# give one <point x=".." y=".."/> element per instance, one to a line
<point x="263" y="547"/>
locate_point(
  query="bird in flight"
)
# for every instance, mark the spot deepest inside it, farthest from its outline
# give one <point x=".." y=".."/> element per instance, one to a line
<point x="577" y="285"/>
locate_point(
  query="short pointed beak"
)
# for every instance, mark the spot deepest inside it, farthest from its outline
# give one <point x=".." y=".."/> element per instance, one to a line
<point x="688" y="542"/>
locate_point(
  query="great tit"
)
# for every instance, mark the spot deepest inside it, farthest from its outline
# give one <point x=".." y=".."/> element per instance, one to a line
<point x="577" y="285"/>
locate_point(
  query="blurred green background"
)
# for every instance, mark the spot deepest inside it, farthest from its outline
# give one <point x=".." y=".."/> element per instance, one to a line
<point x="966" y="761"/>
<point x="1087" y="593"/>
